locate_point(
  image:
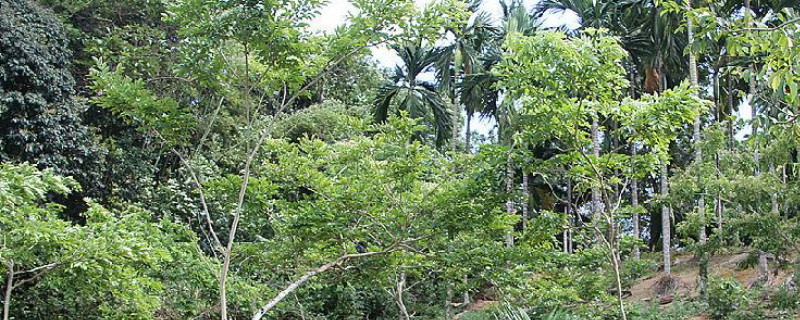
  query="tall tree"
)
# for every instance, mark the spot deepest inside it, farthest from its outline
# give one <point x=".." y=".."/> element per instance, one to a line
<point x="458" y="61"/>
<point x="40" y="120"/>
<point x="411" y="94"/>
<point x="698" y="157"/>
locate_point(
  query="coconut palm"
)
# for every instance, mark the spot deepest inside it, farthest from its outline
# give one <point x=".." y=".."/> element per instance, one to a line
<point x="419" y="98"/>
<point x="477" y="87"/>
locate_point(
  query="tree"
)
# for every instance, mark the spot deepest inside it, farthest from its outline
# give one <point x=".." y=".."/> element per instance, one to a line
<point x="111" y="266"/>
<point x="40" y="121"/>
<point x="560" y="83"/>
<point x="417" y="97"/>
<point x="460" y="59"/>
<point x="276" y="61"/>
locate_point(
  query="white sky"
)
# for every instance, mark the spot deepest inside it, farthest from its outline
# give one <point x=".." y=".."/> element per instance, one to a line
<point x="336" y="11"/>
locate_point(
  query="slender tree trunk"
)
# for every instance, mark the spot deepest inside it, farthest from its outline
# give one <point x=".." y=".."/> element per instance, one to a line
<point x="466" y="291"/>
<point x="307" y="276"/>
<point x="718" y="104"/>
<point x="595" y="191"/>
<point x="774" y="196"/>
<point x="467" y="135"/>
<point x="448" y="305"/>
<point x="730" y="111"/>
<point x="665" y="220"/>
<point x="618" y="276"/>
<point x="698" y="158"/>
<point x="456" y="112"/>
<point x="763" y="266"/>
<point x="574" y="215"/>
<point x="401" y="283"/>
<point x="510" y="191"/>
<point x="634" y="181"/>
<point x="635" y="203"/>
<point x="9" y="287"/>
<point x="565" y="234"/>
<point x="526" y="200"/>
<point x="719" y="205"/>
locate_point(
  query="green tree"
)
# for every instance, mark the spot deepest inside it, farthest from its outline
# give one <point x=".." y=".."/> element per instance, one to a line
<point x="40" y="121"/>
<point x="114" y="265"/>
<point x="458" y="60"/>
<point x="417" y="97"/>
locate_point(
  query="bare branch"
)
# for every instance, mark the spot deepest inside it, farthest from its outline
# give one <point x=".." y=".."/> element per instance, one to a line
<point x="305" y="277"/>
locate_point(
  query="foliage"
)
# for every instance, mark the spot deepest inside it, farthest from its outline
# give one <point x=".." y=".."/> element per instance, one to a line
<point x="727" y="299"/>
<point x="113" y="265"/>
<point x="784" y="299"/>
<point x="329" y="121"/>
<point x="418" y="98"/>
<point x="40" y="121"/>
<point x="242" y="164"/>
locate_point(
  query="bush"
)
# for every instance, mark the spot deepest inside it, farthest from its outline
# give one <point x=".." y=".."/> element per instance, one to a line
<point x="678" y="310"/>
<point x="727" y="299"/>
<point x="328" y="121"/>
<point x="784" y="299"/>
<point x="635" y="269"/>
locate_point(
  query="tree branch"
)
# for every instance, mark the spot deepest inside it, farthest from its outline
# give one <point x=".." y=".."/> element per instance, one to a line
<point x="305" y="277"/>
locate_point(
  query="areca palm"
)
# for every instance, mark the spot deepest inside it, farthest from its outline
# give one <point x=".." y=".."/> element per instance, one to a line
<point x="478" y="92"/>
<point x="418" y="98"/>
<point x="459" y="60"/>
<point x="649" y="36"/>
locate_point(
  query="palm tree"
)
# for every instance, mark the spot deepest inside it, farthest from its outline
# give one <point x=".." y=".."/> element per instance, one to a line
<point x="418" y="98"/>
<point x="644" y="32"/>
<point x="655" y="50"/>
<point x="459" y="60"/>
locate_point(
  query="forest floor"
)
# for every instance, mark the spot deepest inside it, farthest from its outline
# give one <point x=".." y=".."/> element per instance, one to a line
<point x="685" y="270"/>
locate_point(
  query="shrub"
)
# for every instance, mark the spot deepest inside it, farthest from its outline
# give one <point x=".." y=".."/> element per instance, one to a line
<point x="784" y="299"/>
<point x="727" y="299"/>
<point x="635" y="269"/>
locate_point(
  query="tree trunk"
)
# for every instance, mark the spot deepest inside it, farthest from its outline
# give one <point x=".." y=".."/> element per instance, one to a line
<point x="468" y="136"/>
<point x="9" y="287"/>
<point x="595" y="191"/>
<point x="565" y="235"/>
<point x="510" y="193"/>
<point x="448" y="305"/>
<point x="401" y="283"/>
<point x="618" y="276"/>
<point x="466" y="291"/>
<point x="665" y="220"/>
<point x="526" y="200"/>
<point x="698" y="158"/>
<point x="570" y="244"/>
<point x="763" y="266"/>
<point x="718" y="104"/>
<point x="456" y="112"/>
<point x="308" y="275"/>
<point x="719" y="206"/>
<point x="635" y="203"/>
<point x="773" y="196"/>
<point x="730" y="111"/>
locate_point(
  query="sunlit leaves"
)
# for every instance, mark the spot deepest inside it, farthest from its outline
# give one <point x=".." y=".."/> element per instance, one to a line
<point x="132" y="101"/>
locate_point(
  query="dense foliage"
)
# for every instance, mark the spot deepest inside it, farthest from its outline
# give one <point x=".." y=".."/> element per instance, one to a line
<point x="198" y="159"/>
